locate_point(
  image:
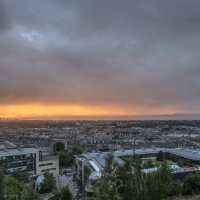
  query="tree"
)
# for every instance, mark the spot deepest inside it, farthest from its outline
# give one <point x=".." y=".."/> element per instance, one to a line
<point x="29" y="194"/>
<point x="66" y="194"/>
<point x="131" y="179"/>
<point x="148" y="164"/>
<point x="191" y="185"/>
<point x="66" y="159"/>
<point x="1" y="183"/>
<point x="129" y="182"/>
<point x="22" y="176"/>
<point x="160" y="156"/>
<point x="49" y="184"/>
<point x="157" y="183"/>
<point x="107" y="188"/>
<point x="58" y="147"/>
<point x="77" y="150"/>
<point x="12" y="189"/>
<point x="174" y="189"/>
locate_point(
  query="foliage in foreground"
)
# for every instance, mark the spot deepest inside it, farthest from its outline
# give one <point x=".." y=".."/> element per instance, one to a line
<point x="131" y="183"/>
<point x="12" y="189"/>
<point x="48" y="185"/>
<point x="64" y="194"/>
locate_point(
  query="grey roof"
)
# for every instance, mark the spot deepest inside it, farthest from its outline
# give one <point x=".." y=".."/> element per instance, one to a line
<point x="186" y="153"/>
<point x="100" y="158"/>
<point x="17" y="151"/>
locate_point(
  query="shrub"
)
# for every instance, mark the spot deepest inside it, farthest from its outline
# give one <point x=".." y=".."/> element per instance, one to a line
<point x="191" y="185"/>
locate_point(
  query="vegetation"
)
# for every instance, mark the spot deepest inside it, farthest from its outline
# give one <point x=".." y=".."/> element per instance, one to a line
<point x="13" y="189"/>
<point x="22" y="176"/>
<point x="77" y="150"/>
<point x="1" y="183"/>
<point x="29" y="194"/>
<point x="58" y="147"/>
<point x="66" y="158"/>
<point x="48" y="185"/>
<point x="160" y="156"/>
<point x="192" y="185"/>
<point x="108" y="187"/>
<point x="64" y="194"/>
<point x="131" y="183"/>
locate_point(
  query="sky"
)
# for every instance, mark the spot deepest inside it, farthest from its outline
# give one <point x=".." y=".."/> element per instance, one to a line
<point x="99" y="58"/>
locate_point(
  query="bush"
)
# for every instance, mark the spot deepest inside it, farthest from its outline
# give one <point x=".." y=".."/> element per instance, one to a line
<point x="66" y="159"/>
<point x="14" y="189"/>
<point x="66" y="194"/>
<point x="191" y="185"/>
<point x="160" y="156"/>
<point x="174" y="189"/>
<point x="49" y="184"/>
<point x="58" y="147"/>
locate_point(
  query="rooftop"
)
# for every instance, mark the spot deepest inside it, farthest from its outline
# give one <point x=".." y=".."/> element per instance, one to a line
<point x="98" y="160"/>
<point x="17" y="151"/>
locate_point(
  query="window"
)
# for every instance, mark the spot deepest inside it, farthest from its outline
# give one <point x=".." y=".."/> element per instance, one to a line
<point x="45" y="164"/>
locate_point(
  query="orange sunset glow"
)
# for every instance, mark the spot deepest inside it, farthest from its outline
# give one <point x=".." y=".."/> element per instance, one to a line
<point x="32" y="111"/>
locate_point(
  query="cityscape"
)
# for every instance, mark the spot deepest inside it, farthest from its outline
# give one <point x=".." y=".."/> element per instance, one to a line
<point x="75" y="153"/>
<point x="99" y="100"/>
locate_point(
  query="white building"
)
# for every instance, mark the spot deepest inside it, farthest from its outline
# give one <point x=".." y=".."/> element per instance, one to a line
<point x="48" y="164"/>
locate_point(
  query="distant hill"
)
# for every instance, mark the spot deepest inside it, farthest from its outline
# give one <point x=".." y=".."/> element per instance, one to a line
<point x="175" y="116"/>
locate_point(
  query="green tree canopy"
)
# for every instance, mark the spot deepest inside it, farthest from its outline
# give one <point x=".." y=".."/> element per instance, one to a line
<point x="49" y="184"/>
<point x="129" y="182"/>
<point x="22" y="176"/>
<point x="77" y="150"/>
<point x="66" y="194"/>
<point x="66" y="159"/>
<point x="1" y="183"/>
<point x="107" y="187"/>
<point x="14" y="189"/>
<point x="191" y="185"/>
<point x="59" y="146"/>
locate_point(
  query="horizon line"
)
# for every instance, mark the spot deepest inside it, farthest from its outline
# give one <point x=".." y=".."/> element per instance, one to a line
<point x="174" y="116"/>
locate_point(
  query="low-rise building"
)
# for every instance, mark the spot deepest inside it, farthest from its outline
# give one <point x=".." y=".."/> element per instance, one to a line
<point x="48" y="164"/>
<point x="14" y="159"/>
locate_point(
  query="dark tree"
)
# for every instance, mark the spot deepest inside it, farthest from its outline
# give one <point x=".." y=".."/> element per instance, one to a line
<point x="1" y="183"/>
<point x="49" y="184"/>
<point x="77" y="150"/>
<point x="66" y="194"/>
<point x="66" y="159"/>
<point x="160" y="156"/>
<point x="191" y="185"/>
<point x="58" y="147"/>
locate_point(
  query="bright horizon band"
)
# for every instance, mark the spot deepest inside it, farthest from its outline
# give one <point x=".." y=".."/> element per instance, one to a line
<point x="73" y="110"/>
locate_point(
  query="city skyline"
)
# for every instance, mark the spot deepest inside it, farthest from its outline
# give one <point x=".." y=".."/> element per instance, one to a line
<point x="99" y="59"/>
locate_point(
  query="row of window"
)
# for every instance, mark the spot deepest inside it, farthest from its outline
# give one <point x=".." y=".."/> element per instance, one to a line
<point x="47" y="170"/>
<point x="17" y="157"/>
<point x="45" y="164"/>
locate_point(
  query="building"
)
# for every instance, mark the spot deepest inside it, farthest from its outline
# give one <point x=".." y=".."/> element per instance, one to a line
<point x="94" y="163"/>
<point x="14" y="159"/>
<point x="48" y="164"/>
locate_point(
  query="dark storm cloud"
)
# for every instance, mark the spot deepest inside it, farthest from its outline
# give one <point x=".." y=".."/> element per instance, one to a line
<point x="142" y="52"/>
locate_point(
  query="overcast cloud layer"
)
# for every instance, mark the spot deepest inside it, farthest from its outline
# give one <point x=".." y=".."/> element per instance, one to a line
<point x="101" y="52"/>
